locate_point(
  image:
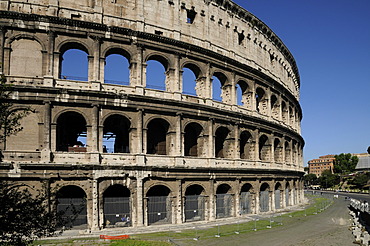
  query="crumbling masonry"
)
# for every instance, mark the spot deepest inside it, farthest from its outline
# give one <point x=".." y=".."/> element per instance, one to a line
<point x="139" y="155"/>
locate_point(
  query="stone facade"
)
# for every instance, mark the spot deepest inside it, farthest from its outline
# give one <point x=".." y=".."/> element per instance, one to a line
<point x="176" y="157"/>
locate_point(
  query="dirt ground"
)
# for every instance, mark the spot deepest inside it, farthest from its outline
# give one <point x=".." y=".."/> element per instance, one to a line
<point x="329" y="228"/>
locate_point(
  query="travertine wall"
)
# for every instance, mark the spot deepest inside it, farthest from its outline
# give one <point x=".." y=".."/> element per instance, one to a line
<point x="205" y="148"/>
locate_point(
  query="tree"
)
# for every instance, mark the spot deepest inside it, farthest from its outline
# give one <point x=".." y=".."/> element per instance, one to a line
<point x="345" y="163"/>
<point x="9" y="116"/>
<point x="368" y="150"/>
<point x="327" y="179"/>
<point x="310" y="179"/>
<point x="25" y="217"/>
<point x="360" y="180"/>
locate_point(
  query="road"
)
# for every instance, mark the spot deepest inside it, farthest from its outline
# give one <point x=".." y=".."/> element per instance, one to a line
<point x="327" y="228"/>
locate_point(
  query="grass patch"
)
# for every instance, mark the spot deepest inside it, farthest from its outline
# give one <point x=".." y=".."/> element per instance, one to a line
<point x="317" y="204"/>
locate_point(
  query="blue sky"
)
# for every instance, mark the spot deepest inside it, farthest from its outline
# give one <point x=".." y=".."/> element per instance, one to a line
<point x="330" y="40"/>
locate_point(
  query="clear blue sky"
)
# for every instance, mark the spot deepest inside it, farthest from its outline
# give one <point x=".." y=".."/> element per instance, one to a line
<point x="330" y="40"/>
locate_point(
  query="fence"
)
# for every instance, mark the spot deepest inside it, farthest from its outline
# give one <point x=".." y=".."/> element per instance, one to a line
<point x="73" y="208"/>
<point x="117" y="211"/>
<point x="194" y="208"/>
<point x="159" y="210"/>
<point x="224" y="204"/>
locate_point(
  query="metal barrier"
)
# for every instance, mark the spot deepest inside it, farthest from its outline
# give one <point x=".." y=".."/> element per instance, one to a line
<point x="159" y="210"/>
<point x="224" y="204"/>
<point x="245" y="203"/>
<point x="194" y="208"/>
<point x="117" y="211"/>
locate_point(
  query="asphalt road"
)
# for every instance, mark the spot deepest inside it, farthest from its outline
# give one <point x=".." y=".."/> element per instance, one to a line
<point x="331" y="227"/>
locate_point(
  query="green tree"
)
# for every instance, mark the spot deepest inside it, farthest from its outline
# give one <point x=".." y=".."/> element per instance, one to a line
<point x="327" y="179"/>
<point x="9" y="116"/>
<point x="345" y="163"/>
<point x="310" y="179"/>
<point x="360" y="180"/>
<point x="26" y="216"/>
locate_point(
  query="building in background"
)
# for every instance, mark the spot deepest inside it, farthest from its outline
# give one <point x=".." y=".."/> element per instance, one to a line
<point x="317" y="166"/>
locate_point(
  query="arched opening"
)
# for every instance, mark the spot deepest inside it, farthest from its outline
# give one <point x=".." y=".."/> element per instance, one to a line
<point x="284" y="110"/>
<point x="117" y="206"/>
<point x="260" y="94"/>
<point x="291" y="116"/>
<point x="117" y="69"/>
<point x="192" y="139"/>
<point x="288" y="153"/>
<point x="264" y="148"/>
<point x="218" y="82"/>
<point x="245" y="145"/>
<point x="224" y="201"/>
<point x="159" y="208"/>
<point x="242" y="93"/>
<point x="194" y="203"/>
<point x="116" y="134"/>
<point x="246" y="199"/>
<point x="189" y="79"/>
<point x="25" y="58"/>
<point x="71" y="132"/>
<point x="156" y="73"/>
<point x="157" y="137"/>
<point x="287" y="194"/>
<point x="278" y="151"/>
<point x="74" y="63"/>
<point x="220" y="142"/>
<point x="274" y="107"/>
<point x="71" y="202"/>
<point x="278" y="195"/>
<point x="264" y="198"/>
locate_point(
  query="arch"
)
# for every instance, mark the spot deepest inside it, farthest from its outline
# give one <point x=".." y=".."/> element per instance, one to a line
<point x="278" y="151"/>
<point x="159" y="209"/>
<point x="71" y="199"/>
<point x="190" y="76"/>
<point x="73" y="61"/>
<point x="278" y="195"/>
<point x="194" y="203"/>
<point x="288" y="152"/>
<point x="71" y="132"/>
<point x="116" y="134"/>
<point x="287" y="194"/>
<point x="224" y="201"/>
<point x="246" y="199"/>
<point x="243" y="94"/>
<point x="246" y="145"/>
<point x="274" y="107"/>
<point x="260" y="98"/>
<point x="117" y="67"/>
<point x="219" y="80"/>
<point x="158" y="137"/>
<point x="284" y="110"/>
<point x="264" y="148"/>
<point x="264" y="197"/>
<point x="156" y="72"/>
<point x="26" y="57"/>
<point x="116" y="201"/>
<point x="221" y="135"/>
<point x="193" y="139"/>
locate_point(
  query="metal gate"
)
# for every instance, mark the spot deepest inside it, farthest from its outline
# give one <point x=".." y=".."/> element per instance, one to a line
<point x="287" y="197"/>
<point x="159" y="210"/>
<point x="245" y="203"/>
<point x="74" y="209"/>
<point x="264" y="201"/>
<point x="194" y="207"/>
<point x="224" y="203"/>
<point x="277" y="199"/>
<point x="117" y="209"/>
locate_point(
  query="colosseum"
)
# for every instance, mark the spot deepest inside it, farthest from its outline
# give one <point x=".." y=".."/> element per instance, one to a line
<point x="203" y="124"/>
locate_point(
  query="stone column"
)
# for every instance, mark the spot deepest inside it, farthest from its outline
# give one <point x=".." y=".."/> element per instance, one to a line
<point x="257" y="208"/>
<point x="96" y="60"/>
<point x="2" y="41"/>
<point x="179" y="146"/>
<point x="211" y="147"/>
<point x="137" y="67"/>
<point x="46" y="151"/>
<point x="236" y="142"/>
<point x="95" y="206"/>
<point x="140" y="208"/>
<point x="237" y="198"/>
<point x="208" y="84"/>
<point x="139" y="130"/>
<point x="94" y="128"/>
<point x="273" y="196"/>
<point x="178" y="203"/>
<point x="212" y="203"/>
